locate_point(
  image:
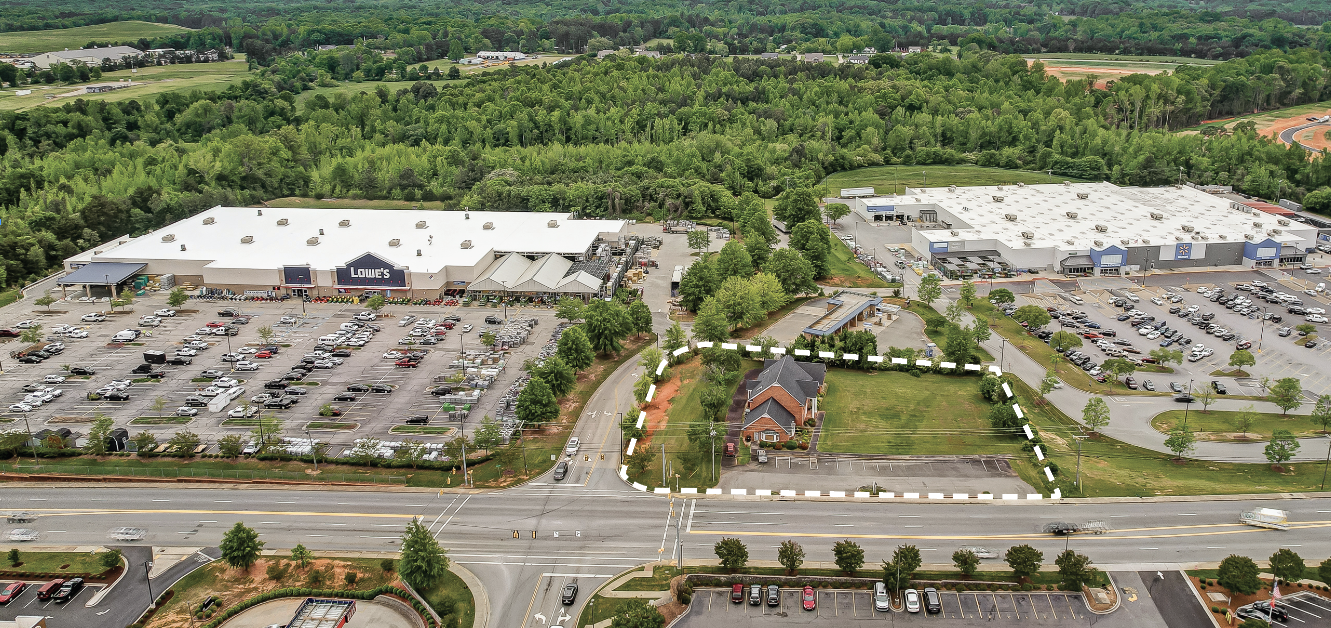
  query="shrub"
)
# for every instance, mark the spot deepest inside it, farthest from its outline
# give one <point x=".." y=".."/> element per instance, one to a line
<point x="350" y="578"/>
<point x="961" y="588"/>
<point x="803" y="446"/>
<point x="791" y="445"/>
<point x="386" y="565"/>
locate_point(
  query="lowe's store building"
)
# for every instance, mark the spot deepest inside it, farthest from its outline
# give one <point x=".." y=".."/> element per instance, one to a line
<point x="1083" y="229"/>
<point x="322" y="252"/>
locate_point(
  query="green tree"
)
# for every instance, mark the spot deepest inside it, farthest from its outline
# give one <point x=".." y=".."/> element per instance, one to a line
<point x="740" y="302"/>
<point x="558" y="375"/>
<point x="488" y="434"/>
<point x="1287" y="565"/>
<point x="1242" y="358"/>
<point x="796" y="205"/>
<point x="44" y="301"/>
<point x="1074" y="570"/>
<point x="641" y="387"/>
<point x="710" y="324"/>
<point x="979" y="329"/>
<point x="1238" y="574"/>
<point x="569" y="309"/>
<point x="699" y="240"/>
<point x="144" y="441"/>
<point x="266" y="334"/>
<point x="734" y="261"/>
<point x="637" y="614"/>
<point x="411" y="451"/>
<point x="15" y="559"/>
<point x="907" y="557"/>
<point x="967" y="297"/>
<point x="31" y="335"/>
<point x="965" y="561"/>
<point x="674" y="340"/>
<point x="1003" y="417"/>
<point x="1048" y="384"/>
<point x="1024" y="560"/>
<point x="1324" y="570"/>
<point x="959" y="345"/>
<point x="423" y="562"/>
<point x="606" y="325"/>
<point x="771" y="296"/>
<point x="790" y="555"/>
<point x="732" y="553"/>
<point x="97" y="435"/>
<point x="302" y="556"/>
<point x="183" y="443"/>
<point x="230" y="446"/>
<point x="1321" y="414"/>
<point x="536" y="403"/>
<point x="1243" y="419"/>
<point x="574" y="349"/>
<point x="1164" y="356"/>
<point x="814" y="241"/>
<point x="1001" y="296"/>
<point x="1096" y="413"/>
<point x="1282" y="447"/>
<point x="849" y="556"/>
<point x="1305" y="328"/>
<point x="109" y="559"/>
<point x="836" y="211"/>
<point x="714" y="399"/>
<point x="1287" y="394"/>
<point x="640" y="317"/>
<point x="1034" y="316"/>
<point x="1064" y="340"/>
<point x="954" y="312"/>
<point x="240" y="546"/>
<point x="177" y="298"/>
<point x="642" y="458"/>
<point x="375" y="303"/>
<point x="1204" y="395"/>
<point x="1119" y="367"/>
<point x="930" y="288"/>
<point x="795" y="273"/>
<point x="1181" y="442"/>
<point x="698" y="282"/>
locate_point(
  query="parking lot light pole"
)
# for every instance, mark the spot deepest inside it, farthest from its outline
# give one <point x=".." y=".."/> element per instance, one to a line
<point x="1261" y="325"/>
<point x="713" y="437"/>
<point x="313" y="451"/>
<point x="1186" y="406"/>
<point x="35" y="463"/>
<point x="147" y="565"/>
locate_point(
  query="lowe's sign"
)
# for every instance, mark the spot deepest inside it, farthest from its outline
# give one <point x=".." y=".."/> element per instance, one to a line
<point x="371" y="271"/>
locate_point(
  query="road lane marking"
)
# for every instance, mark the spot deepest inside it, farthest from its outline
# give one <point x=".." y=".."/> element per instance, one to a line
<point x="1027" y="536"/>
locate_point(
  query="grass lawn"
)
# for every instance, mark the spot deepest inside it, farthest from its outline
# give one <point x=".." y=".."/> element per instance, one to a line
<point x="431" y="430"/>
<point x="452" y="597"/>
<point x="936" y="334"/>
<point x="161" y="420"/>
<point x="1110" y="468"/>
<point x="600" y="609"/>
<point x="1219" y="424"/>
<point x="9" y="296"/>
<point x="1263" y="118"/>
<point x="686" y="410"/>
<point x="891" y="412"/>
<point x="52" y="562"/>
<point x="886" y="179"/>
<point x="745" y="333"/>
<point x="156" y="80"/>
<point x="846" y="271"/>
<point x="331" y="425"/>
<point x="76" y="38"/>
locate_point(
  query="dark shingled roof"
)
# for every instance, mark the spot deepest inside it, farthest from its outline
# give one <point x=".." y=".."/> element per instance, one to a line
<point x="771" y="408"/>
<point x="800" y="379"/>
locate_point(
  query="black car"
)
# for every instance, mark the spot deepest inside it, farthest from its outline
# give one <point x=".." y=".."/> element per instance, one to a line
<point x="441" y="391"/>
<point x="381" y="388"/>
<point x="30" y="359"/>
<point x="230" y="311"/>
<point x="1108" y="333"/>
<point x="493" y="320"/>
<point x="195" y="401"/>
<point x="179" y="360"/>
<point x="275" y="384"/>
<point x="116" y="395"/>
<point x="1311" y="344"/>
<point x="1253" y="611"/>
<point x="346" y="396"/>
<point x="281" y="403"/>
<point x="1124" y="317"/>
<point x="141" y="369"/>
<point x="295" y="375"/>
<point x="933" y="603"/>
<point x="82" y="370"/>
<point x="1183" y="398"/>
<point x="561" y="471"/>
<point x="773" y="595"/>
<point x="419" y="419"/>
<point x="298" y="392"/>
<point x="68" y="590"/>
<point x="569" y="593"/>
<point x="1219" y="388"/>
<point x="360" y="388"/>
<point x="1263" y="609"/>
<point x="341" y="353"/>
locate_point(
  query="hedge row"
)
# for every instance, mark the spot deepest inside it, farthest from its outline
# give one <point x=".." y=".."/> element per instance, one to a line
<point x="330" y="593"/>
<point x="378" y="463"/>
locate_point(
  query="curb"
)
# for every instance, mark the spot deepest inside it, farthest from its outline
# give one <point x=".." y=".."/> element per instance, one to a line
<point x="1118" y="598"/>
<point x="479" y="596"/>
<point x="97" y="597"/>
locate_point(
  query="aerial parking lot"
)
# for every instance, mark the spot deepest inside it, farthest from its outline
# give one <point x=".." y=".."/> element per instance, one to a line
<point x="208" y="368"/>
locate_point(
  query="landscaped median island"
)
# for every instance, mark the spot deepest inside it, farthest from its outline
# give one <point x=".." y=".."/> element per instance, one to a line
<point x="1237" y="425"/>
<point x="91" y="566"/>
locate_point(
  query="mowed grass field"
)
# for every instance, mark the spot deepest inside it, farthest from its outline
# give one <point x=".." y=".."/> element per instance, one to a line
<point x="156" y="80"/>
<point x="1222" y="424"/>
<point x="74" y="38"/>
<point x="1267" y="120"/>
<point x="886" y="179"/>
<point x="891" y="412"/>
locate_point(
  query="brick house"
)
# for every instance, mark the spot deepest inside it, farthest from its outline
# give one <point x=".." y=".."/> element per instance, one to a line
<point x="784" y="396"/>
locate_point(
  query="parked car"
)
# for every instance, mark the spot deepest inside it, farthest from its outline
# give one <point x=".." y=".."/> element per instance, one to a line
<point x="881" y="602"/>
<point x="809" y="598"/>
<point x="912" y="601"/>
<point x="755" y="594"/>
<point x="68" y="590"/>
<point x="737" y="593"/>
<point x="1219" y="388"/>
<point x="50" y="588"/>
<point x="933" y="603"/>
<point x="12" y="591"/>
<point x="773" y="595"/>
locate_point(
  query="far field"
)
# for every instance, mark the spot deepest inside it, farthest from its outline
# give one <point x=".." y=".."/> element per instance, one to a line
<point x="156" y="79"/>
<point x="74" y="38"/>
<point x="886" y="179"/>
<point x="1271" y="122"/>
<point x="1221" y="425"/>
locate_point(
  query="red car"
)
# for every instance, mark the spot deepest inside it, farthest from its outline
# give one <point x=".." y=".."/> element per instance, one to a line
<point x="12" y="591"/>
<point x="737" y="593"/>
<point x="264" y="354"/>
<point x="1091" y="335"/>
<point x="810" y="600"/>
<point x="407" y="363"/>
<point x="215" y="325"/>
<point x="447" y="324"/>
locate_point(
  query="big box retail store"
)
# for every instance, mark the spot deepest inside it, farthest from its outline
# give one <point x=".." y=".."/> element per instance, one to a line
<point x="321" y="252"/>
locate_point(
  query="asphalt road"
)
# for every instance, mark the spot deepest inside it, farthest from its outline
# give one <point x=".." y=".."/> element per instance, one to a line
<point x="1287" y="136"/>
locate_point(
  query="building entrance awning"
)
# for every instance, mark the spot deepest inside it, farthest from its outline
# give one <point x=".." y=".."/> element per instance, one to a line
<point x="1077" y="261"/>
<point x="101" y="274"/>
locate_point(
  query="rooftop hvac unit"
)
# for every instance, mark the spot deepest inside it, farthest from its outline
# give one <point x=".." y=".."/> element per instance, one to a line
<point x="182" y="247"/>
<point x="1099" y="244"/>
<point x="1000" y="188"/>
<point x="955" y="232"/>
<point x="1012" y="217"/>
<point x="1083" y="195"/>
<point x="170" y="237"/>
<point x="1028" y="243"/>
<point x="488" y="226"/>
<point x="1272" y="232"/>
<point x="1256" y="225"/>
<point x="1247" y="236"/>
<point x="1102" y="228"/>
<point x="209" y="220"/>
<point x="1070" y="242"/>
<point x="395" y="242"/>
<point x="1224" y="237"/>
<point x="1204" y="236"/>
<point x="1028" y="235"/>
<point x="1178" y="187"/>
<point x="1282" y="222"/>
<point x="344" y="223"/>
<point x="282" y="222"/>
<point x="1020" y="184"/>
<point x="553" y="224"/>
<point x="952" y="189"/>
<point x="998" y="199"/>
<point x="420" y="224"/>
<point x="1157" y="216"/>
<point x="1067" y="184"/>
<point x="1186" y="228"/>
<point x="1145" y="241"/>
<point x="418" y="252"/>
<point x="1125" y="242"/>
<point x="312" y="242"/>
<point x="466" y="244"/>
<point x="247" y="240"/>
<point x="1072" y="215"/>
<point x="1178" y="237"/>
<point x="1196" y="237"/>
<point x="321" y="232"/>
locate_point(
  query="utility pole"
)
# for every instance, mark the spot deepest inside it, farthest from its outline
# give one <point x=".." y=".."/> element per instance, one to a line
<point x="147" y="565"/>
<point x="1187" y="405"/>
<point x="31" y="443"/>
<point x="713" y="436"/>
<point x="664" y="481"/>
<point x="464" y="460"/>
<point x="620" y="418"/>
<point x="313" y="451"/>
<point x="1079" y="439"/>
<point x="1327" y="464"/>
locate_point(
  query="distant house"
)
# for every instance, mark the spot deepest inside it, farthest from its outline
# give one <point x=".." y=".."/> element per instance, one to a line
<point x="857" y="59"/>
<point x="769" y="55"/>
<point x="86" y="56"/>
<point x="914" y="49"/>
<point x="783" y="397"/>
<point x="655" y="54"/>
<point x="324" y="47"/>
<point x="869" y="50"/>
<point x="471" y="61"/>
<point x="601" y="54"/>
<point x="813" y="57"/>
<point x="493" y="55"/>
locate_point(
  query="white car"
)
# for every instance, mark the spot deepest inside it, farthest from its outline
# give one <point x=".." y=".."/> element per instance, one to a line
<point x="20" y="407"/>
<point x="287" y="320"/>
<point x="165" y="312"/>
<point x="53" y="379"/>
<point x="260" y="398"/>
<point x="466" y="328"/>
<point x="87" y="318"/>
<point x="246" y="365"/>
<point x="394" y="355"/>
<point x="198" y="345"/>
<point x="225" y="382"/>
<point x="1313" y="271"/>
<point x="572" y="447"/>
<point x="1153" y="335"/>
<point x="232" y="357"/>
<point x="912" y="601"/>
<point x="77" y="333"/>
<point x="242" y="412"/>
<point x="1315" y="310"/>
<point x="187" y="352"/>
<point x="247" y="350"/>
<point x="211" y="391"/>
<point x="1157" y="301"/>
<point x="1144" y="331"/>
<point x="1315" y="318"/>
<point x="150" y="321"/>
<point x="1259" y="284"/>
<point x="1202" y="290"/>
<point x="23" y="534"/>
<point x="187" y="411"/>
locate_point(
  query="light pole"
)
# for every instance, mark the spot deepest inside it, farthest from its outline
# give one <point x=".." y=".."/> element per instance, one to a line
<point x="1262" y="334"/>
<point x="31" y="443"/>
<point x="313" y="451"/>
<point x="1327" y="464"/>
<point x="1002" y="352"/>
<point x="713" y="437"/>
<point x="147" y="565"/>
<point x="1186" y="406"/>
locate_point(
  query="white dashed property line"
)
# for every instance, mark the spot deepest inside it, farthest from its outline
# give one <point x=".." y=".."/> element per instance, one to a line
<point x="680" y="351"/>
<point x="651" y="392"/>
<point x="642" y="418"/>
<point x="660" y="368"/>
<point x="1029" y="435"/>
<point x="633" y="442"/>
<point x="803" y="352"/>
<point x="1039" y="455"/>
<point x="1007" y="391"/>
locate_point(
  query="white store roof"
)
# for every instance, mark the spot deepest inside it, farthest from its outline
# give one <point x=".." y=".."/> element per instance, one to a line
<point x="1110" y="215"/>
<point x="215" y="236"/>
